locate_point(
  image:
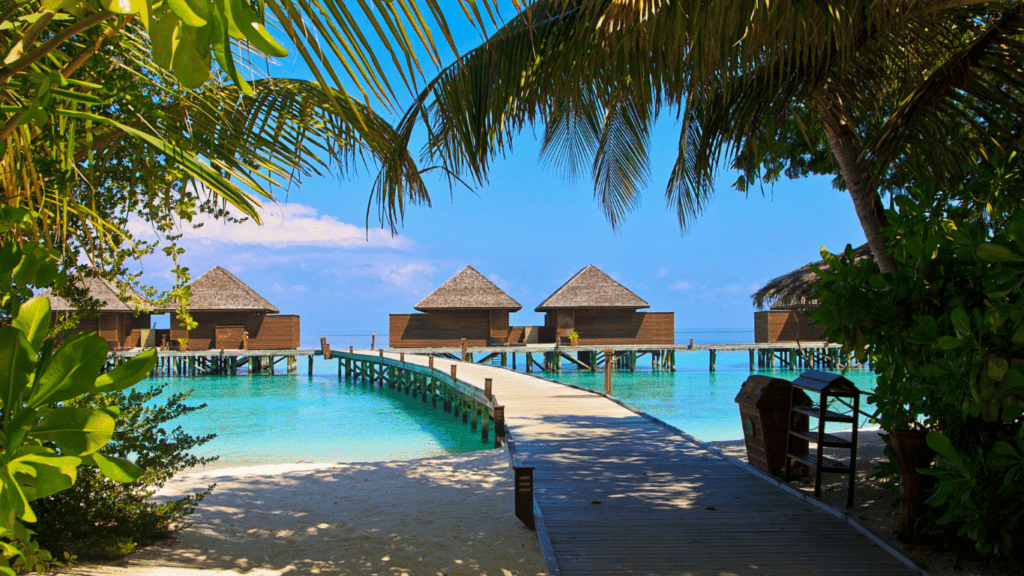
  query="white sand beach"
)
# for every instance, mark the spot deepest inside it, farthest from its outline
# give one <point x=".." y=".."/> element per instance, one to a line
<point x="450" y="515"/>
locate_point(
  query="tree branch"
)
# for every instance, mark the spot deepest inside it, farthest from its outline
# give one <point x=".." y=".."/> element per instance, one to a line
<point x="27" y="60"/>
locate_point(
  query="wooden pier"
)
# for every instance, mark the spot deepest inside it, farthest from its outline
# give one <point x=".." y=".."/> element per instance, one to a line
<point x="220" y="362"/>
<point x="613" y="491"/>
<point x="549" y="357"/>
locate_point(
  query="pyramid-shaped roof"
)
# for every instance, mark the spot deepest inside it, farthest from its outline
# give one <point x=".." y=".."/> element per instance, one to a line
<point x="106" y="292"/>
<point x="219" y="289"/>
<point x="591" y="288"/>
<point x="468" y="289"/>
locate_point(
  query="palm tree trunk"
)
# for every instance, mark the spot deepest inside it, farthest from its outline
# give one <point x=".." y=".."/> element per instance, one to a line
<point x="847" y="150"/>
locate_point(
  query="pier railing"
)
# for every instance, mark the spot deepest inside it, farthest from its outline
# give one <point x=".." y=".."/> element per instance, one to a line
<point x="464" y="401"/>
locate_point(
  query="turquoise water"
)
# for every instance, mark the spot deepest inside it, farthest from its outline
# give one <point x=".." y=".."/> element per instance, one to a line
<point x="692" y="399"/>
<point x="293" y="418"/>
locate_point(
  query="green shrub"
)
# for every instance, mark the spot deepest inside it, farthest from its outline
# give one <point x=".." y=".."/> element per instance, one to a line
<point x="945" y="330"/>
<point x="100" y="519"/>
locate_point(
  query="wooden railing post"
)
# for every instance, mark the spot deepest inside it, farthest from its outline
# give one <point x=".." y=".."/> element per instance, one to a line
<point x="431" y="361"/>
<point x="499" y="425"/>
<point x="402" y="357"/>
<point x="453" y="373"/>
<point x="381" y="353"/>
<point x="524" y="495"/>
<point x="373" y="341"/>
<point x="351" y="349"/>
<point x="463" y="349"/>
<point x="608" y="356"/>
<point x="488" y="382"/>
<point x="325" y="348"/>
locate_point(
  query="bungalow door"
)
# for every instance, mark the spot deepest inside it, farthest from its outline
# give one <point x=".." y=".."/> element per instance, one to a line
<point x="499" y="327"/>
<point x="565" y="323"/>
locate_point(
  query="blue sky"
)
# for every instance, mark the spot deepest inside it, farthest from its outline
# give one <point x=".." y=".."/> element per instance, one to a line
<point x="528" y="230"/>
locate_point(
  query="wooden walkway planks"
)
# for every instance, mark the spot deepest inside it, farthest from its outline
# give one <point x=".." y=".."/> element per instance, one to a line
<point x="621" y="494"/>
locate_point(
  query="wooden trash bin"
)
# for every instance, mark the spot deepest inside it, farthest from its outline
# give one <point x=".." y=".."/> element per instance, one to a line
<point x="764" y="404"/>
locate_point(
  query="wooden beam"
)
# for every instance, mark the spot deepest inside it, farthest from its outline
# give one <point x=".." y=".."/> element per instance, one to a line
<point x="573" y="360"/>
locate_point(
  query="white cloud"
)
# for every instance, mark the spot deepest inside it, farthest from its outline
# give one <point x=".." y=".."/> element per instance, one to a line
<point x="285" y="225"/>
<point x="662" y="272"/>
<point x="682" y="285"/>
<point x="404" y="276"/>
<point x="500" y="282"/>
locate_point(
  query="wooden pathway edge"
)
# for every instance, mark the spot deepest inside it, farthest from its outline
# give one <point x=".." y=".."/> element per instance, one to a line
<point x="849" y="518"/>
<point x="574" y="537"/>
<point x="545" y="540"/>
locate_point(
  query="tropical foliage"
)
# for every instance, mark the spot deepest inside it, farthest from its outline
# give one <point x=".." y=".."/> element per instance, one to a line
<point x="44" y="440"/>
<point x="873" y="92"/>
<point x="945" y="331"/>
<point x="117" y="110"/>
<point x="100" y="519"/>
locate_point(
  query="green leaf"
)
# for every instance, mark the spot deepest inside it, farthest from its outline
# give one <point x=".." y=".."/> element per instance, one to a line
<point x="1003" y="456"/>
<point x="127" y="374"/>
<point x="72" y="371"/>
<point x="1014" y="379"/>
<point x="944" y="448"/>
<point x="192" y="57"/>
<point x="76" y="431"/>
<point x="949" y="342"/>
<point x="997" y="253"/>
<point x="40" y="475"/>
<point x="931" y="371"/>
<point x="960" y="320"/>
<point x="183" y="10"/>
<point x="13" y="503"/>
<point x="17" y="362"/>
<point x="117" y="469"/>
<point x="997" y="368"/>
<point x="34" y="320"/>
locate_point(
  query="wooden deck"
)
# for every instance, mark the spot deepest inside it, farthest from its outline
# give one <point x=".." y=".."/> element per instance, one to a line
<point x="620" y="493"/>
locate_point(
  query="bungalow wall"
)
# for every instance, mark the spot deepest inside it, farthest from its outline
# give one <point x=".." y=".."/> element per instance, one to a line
<point x="600" y="326"/>
<point x="447" y="328"/>
<point x="114" y="327"/>
<point x="266" y="332"/>
<point x="785" y="326"/>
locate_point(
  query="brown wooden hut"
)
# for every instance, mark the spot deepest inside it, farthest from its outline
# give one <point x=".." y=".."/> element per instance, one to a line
<point x="232" y="316"/>
<point x="782" y="305"/>
<point x="602" y="311"/>
<point x="467" y="306"/>
<point x="122" y="323"/>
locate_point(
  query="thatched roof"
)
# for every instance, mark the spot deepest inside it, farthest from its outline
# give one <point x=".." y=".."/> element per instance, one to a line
<point x="794" y="289"/>
<point x="219" y="289"/>
<point x="468" y="289"/>
<point x="104" y="291"/>
<point x="591" y="288"/>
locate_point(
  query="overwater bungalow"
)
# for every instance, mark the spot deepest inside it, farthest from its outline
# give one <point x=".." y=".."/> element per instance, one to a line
<point x="122" y="323"/>
<point x="467" y="306"/>
<point x="782" y="305"/>
<point x="232" y="316"/>
<point x="602" y="312"/>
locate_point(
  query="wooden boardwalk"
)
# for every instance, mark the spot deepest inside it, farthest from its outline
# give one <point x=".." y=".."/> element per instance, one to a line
<point x="619" y="493"/>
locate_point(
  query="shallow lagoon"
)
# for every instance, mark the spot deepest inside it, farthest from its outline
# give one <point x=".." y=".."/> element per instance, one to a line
<point x="293" y="418"/>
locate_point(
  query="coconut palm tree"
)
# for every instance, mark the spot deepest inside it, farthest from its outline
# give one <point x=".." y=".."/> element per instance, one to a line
<point x="875" y="92"/>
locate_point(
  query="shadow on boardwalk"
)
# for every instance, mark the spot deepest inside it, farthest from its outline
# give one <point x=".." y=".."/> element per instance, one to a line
<point x="621" y="494"/>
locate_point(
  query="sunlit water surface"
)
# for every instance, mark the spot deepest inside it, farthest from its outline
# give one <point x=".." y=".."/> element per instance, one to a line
<point x="301" y="418"/>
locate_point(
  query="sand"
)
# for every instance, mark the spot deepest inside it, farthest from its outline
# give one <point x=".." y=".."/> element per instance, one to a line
<point x="434" y="516"/>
